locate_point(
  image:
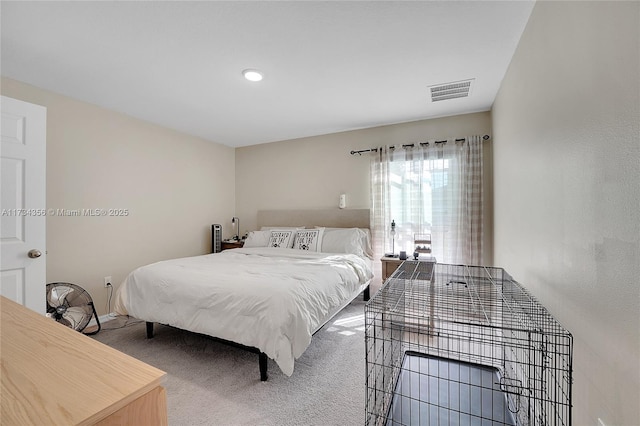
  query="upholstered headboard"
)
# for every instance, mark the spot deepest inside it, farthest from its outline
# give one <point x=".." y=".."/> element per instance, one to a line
<point x="334" y="218"/>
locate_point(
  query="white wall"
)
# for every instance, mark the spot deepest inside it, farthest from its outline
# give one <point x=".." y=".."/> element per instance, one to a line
<point x="567" y="190"/>
<point x="174" y="186"/>
<point x="311" y="173"/>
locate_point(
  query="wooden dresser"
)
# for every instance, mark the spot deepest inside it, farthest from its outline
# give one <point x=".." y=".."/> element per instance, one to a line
<point x="54" y="375"/>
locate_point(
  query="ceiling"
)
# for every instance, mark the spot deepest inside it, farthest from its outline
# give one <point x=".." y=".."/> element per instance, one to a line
<point x="329" y="66"/>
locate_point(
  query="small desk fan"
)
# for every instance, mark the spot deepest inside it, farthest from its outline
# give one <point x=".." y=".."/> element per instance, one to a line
<point x="71" y="305"/>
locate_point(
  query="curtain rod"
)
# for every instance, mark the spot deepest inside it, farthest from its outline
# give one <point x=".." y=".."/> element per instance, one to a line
<point x="411" y="145"/>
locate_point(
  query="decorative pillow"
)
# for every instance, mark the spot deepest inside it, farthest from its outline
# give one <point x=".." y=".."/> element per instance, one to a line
<point x="346" y="240"/>
<point x="257" y="239"/>
<point x="280" y="228"/>
<point x="281" y="238"/>
<point x="308" y="239"/>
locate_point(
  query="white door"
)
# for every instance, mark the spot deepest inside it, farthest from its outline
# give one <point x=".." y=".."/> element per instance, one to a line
<point x="22" y="203"/>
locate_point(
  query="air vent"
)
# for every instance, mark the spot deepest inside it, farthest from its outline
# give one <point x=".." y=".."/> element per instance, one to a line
<point x="457" y="89"/>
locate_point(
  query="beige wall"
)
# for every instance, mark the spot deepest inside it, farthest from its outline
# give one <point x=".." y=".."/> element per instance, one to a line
<point x="174" y="186"/>
<point x="567" y="190"/>
<point x="311" y="173"/>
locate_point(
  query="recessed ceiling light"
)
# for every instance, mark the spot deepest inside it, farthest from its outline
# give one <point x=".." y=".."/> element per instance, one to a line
<point x="252" y="75"/>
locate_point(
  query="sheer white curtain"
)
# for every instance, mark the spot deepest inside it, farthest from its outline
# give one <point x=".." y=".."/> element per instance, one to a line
<point x="429" y="189"/>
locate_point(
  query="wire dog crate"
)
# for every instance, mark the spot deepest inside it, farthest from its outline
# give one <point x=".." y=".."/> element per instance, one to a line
<point x="463" y="345"/>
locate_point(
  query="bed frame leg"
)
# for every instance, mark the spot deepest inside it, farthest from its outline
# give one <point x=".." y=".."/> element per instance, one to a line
<point x="149" y="330"/>
<point x="366" y="296"/>
<point x="262" y="360"/>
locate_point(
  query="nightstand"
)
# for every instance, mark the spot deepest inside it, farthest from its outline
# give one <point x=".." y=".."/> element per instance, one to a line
<point x="231" y="244"/>
<point x="389" y="265"/>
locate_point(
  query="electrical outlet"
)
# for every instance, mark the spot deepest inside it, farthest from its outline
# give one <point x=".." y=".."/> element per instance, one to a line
<point x="107" y="281"/>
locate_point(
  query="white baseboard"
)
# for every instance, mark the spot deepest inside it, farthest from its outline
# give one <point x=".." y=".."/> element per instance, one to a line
<point x="102" y="318"/>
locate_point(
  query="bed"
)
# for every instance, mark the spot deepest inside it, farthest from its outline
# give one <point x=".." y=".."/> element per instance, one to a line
<point x="270" y="296"/>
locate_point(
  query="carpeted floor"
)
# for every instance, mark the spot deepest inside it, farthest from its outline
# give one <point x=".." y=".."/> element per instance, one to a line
<point x="210" y="383"/>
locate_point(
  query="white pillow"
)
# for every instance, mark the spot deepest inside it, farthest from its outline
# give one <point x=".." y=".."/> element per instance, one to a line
<point x="345" y="240"/>
<point x="277" y="228"/>
<point x="308" y="239"/>
<point x="257" y="239"/>
<point x="281" y="238"/>
<point x="366" y="242"/>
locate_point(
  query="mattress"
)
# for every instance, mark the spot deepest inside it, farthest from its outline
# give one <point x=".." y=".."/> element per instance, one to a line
<point x="272" y="299"/>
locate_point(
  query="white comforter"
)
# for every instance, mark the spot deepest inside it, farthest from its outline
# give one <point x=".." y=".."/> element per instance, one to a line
<point x="268" y="298"/>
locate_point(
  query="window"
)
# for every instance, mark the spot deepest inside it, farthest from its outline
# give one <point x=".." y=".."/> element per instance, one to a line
<point x="433" y="190"/>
